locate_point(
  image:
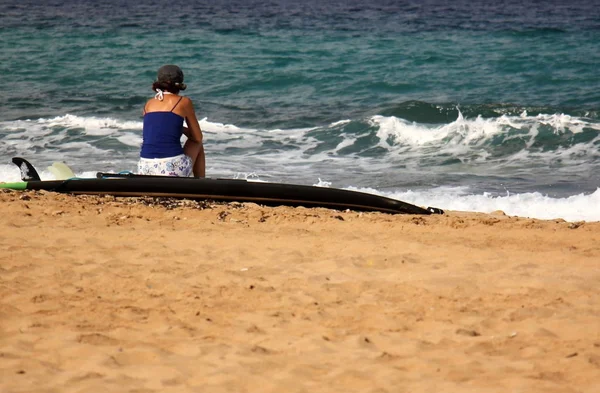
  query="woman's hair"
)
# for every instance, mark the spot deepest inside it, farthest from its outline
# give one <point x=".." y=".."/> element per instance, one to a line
<point x="172" y="87"/>
<point x="169" y="78"/>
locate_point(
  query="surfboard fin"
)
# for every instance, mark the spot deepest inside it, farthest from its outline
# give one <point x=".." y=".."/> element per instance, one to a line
<point x="28" y="172"/>
<point x="61" y="171"/>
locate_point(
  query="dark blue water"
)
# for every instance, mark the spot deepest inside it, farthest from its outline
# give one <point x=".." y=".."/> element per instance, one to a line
<point x="487" y="100"/>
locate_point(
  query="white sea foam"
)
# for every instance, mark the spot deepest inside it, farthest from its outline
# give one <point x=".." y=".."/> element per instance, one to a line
<point x="562" y="122"/>
<point x="472" y="132"/>
<point x="89" y="125"/>
<point x="403" y="139"/>
<point x="470" y="141"/>
<point x="130" y="139"/>
<point x="580" y="207"/>
<point x="236" y="152"/>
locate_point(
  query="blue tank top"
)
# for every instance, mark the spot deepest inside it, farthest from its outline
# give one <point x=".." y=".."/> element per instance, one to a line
<point x="162" y="134"/>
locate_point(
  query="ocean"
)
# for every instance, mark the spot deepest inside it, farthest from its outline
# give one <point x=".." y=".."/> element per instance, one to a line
<point x="464" y="105"/>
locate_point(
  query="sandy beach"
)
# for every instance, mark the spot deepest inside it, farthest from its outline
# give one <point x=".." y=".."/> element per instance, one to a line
<point x="99" y="294"/>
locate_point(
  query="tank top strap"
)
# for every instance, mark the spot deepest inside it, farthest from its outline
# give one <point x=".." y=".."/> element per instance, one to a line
<point x="177" y="103"/>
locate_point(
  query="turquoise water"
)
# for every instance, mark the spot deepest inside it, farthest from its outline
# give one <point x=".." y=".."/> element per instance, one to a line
<point x="467" y="105"/>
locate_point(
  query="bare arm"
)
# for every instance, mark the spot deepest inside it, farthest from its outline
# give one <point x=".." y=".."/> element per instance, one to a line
<point x="192" y="131"/>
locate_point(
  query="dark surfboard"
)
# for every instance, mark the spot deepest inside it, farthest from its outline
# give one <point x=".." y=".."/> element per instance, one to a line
<point x="274" y="194"/>
<point x="226" y="190"/>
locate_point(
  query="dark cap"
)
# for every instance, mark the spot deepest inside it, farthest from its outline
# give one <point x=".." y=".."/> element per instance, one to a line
<point x="170" y="73"/>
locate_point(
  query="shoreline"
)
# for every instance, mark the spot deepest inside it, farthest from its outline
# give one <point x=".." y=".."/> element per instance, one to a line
<point x="126" y="294"/>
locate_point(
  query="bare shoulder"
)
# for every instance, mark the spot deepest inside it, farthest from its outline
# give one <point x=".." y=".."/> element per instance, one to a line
<point x="187" y="103"/>
<point x="148" y="104"/>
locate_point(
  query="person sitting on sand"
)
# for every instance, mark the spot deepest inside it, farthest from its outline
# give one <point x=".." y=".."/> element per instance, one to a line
<point x="162" y="153"/>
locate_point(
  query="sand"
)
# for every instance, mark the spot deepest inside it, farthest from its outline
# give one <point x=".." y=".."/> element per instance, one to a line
<point x="99" y="294"/>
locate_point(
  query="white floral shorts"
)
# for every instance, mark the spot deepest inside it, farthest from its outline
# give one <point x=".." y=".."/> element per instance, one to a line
<point x="180" y="166"/>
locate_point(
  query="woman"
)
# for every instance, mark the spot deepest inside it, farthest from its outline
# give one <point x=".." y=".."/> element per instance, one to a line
<point x="162" y="153"/>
